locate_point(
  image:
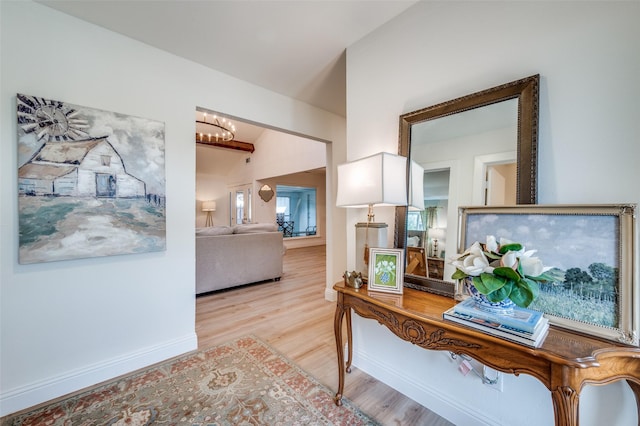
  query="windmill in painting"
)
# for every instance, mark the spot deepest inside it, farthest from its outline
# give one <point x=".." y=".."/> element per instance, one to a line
<point x="78" y="194"/>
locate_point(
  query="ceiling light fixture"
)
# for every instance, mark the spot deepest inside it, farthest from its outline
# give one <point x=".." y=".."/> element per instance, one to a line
<point x="221" y="131"/>
<point x="213" y="130"/>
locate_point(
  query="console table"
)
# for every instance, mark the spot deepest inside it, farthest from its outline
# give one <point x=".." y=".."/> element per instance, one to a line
<point x="564" y="363"/>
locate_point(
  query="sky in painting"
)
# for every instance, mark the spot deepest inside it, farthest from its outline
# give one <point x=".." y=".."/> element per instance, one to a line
<point x="562" y="241"/>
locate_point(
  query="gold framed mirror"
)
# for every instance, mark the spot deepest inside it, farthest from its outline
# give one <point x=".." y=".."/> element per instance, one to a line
<point x="514" y="138"/>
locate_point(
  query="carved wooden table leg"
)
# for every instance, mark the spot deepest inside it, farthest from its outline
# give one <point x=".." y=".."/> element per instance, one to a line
<point x="566" y="404"/>
<point x="337" y="330"/>
<point x="349" y="340"/>
<point x="635" y="387"/>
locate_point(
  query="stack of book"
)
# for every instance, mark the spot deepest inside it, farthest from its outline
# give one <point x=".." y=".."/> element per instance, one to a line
<point x="522" y="325"/>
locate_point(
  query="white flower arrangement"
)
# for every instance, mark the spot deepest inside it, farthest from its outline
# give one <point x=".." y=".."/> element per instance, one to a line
<point x="503" y="270"/>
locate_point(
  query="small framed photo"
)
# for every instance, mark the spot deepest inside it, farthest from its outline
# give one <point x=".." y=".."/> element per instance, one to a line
<point x="386" y="270"/>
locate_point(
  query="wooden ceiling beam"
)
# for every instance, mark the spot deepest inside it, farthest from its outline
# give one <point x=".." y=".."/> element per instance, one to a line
<point x="234" y="144"/>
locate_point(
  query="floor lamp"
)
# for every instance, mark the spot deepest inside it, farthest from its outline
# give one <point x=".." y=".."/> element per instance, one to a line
<point x="209" y="206"/>
<point x="377" y="180"/>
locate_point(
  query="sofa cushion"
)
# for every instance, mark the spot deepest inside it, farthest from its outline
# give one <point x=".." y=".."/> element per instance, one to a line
<point x="214" y="230"/>
<point x="249" y="228"/>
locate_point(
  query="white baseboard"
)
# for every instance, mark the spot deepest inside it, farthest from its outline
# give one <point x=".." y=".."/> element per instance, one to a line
<point x="45" y="390"/>
<point x="420" y="391"/>
<point x="330" y="294"/>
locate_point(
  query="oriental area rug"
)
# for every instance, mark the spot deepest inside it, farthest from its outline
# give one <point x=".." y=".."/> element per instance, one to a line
<point x="244" y="382"/>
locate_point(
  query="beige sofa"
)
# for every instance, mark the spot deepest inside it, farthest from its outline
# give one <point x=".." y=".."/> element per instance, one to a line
<point x="232" y="256"/>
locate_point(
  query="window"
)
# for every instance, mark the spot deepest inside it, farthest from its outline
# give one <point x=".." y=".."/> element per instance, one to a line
<point x="240" y="217"/>
<point x="414" y="221"/>
<point x="240" y="205"/>
<point x="296" y="210"/>
<point x="105" y="160"/>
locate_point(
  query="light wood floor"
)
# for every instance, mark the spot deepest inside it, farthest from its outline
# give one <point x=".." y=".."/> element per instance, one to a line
<point x="293" y="316"/>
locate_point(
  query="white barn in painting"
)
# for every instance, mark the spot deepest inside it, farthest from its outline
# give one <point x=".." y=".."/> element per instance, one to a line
<point x="85" y="168"/>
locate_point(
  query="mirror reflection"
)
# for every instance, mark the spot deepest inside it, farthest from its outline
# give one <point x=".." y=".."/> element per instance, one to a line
<point x="427" y="229"/>
<point x="475" y="150"/>
<point x="477" y="146"/>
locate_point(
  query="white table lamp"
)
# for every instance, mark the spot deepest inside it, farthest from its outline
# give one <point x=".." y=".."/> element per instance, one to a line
<point x="377" y="180"/>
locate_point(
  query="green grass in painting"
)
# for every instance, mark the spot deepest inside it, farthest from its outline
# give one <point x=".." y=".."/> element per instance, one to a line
<point x="567" y="304"/>
<point x="42" y="220"/>
<point x="60" y="228"/>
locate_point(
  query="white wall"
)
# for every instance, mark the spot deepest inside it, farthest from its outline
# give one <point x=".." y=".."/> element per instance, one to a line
<point x="67" y="325"/>
<point x="284" y="154"/>
<point x="588" y="58"/>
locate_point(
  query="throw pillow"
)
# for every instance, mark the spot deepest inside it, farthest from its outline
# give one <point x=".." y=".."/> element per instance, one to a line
<point x="249" y="228"/>
<point x="214" y="230"/>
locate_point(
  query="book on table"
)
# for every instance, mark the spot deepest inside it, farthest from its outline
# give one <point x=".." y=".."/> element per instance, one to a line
<point x="521" y="325"/>
<point x="519" y="318"/>
<point x="533" y="339"/>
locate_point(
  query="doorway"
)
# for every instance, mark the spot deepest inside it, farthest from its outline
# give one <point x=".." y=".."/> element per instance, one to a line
<point x="296" y="210"/>
<point x="500" y="185"/>
<point x="495" y="179"/>
<point x="233" y="177"/>
<point x="240" y="204"/>
<point x="105" y="185"/>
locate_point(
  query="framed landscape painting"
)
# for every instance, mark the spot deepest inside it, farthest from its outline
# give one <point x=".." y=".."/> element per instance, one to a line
<point x="90" y="182"/>
<point x="591" y="251"/>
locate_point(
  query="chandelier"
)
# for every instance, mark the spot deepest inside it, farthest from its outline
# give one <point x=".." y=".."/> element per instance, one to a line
<point x="220" y="132"/>
<point x="217" y="130"/>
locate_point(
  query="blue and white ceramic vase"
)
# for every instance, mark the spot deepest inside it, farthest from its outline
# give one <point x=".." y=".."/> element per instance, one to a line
<point x="500" y="308"/>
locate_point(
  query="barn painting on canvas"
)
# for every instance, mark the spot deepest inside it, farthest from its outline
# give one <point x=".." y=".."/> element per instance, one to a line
<point x="90" y="182"/>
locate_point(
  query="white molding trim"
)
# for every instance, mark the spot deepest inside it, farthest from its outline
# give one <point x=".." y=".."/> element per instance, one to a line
<point x="330" y="294"/>
<point x="45" y="390"/>
<point x="420" y="391"/>
<point x="480" y="164"/>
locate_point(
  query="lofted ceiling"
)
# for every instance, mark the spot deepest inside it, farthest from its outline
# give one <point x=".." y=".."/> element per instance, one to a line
<point x="295" y="47"/>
